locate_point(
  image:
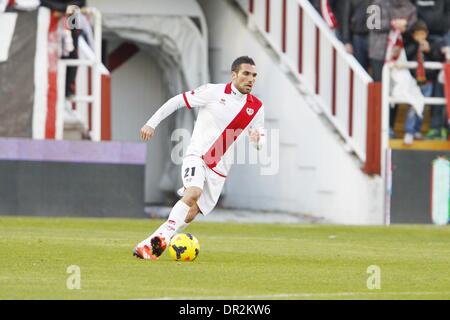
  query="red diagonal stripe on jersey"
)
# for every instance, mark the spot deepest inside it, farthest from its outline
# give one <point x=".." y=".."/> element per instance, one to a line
<point x="213" y="156"/>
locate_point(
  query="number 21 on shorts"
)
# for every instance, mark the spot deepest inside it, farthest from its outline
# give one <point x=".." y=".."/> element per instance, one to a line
<point x="191" y="170"/>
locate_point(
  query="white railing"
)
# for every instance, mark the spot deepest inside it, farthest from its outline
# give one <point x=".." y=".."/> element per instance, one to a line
<point x="311" y="52"/>
<point x="89" y="84"/>
<point x="388" y="99"/>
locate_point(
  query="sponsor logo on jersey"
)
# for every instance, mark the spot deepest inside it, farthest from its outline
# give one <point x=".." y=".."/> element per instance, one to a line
<point x="222" y="101"/>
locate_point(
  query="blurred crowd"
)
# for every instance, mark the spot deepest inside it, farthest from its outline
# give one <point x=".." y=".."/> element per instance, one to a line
<point x="365" y="28"/>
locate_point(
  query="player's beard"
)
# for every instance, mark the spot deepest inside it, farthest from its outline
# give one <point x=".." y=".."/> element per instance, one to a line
<point x="245" y="89"/>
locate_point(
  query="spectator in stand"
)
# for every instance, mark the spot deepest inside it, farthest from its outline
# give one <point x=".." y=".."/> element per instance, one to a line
<point x="418" y="48"/>
<point x="70" y="36"/>
<point x="61" y="5"/>
<point x="395" y="14"/>
<point x="436" y="14"/>
<point x="355" y="33"/>
<point x="332" y="12"/>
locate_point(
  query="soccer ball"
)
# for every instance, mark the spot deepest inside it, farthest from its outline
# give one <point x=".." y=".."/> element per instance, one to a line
<point x="184" y="247"/>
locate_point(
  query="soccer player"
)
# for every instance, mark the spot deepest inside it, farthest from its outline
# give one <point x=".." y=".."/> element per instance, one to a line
<point x="225" y="111"/>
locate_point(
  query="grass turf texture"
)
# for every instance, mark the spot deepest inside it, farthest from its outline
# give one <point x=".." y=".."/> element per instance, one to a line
<point x="241" y="261"/>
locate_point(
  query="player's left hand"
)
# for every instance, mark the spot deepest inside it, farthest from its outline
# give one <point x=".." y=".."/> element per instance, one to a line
<point x="254" y="135"/>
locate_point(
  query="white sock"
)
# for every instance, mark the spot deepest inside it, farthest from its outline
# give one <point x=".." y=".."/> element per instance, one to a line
<point x="174" y="224"/>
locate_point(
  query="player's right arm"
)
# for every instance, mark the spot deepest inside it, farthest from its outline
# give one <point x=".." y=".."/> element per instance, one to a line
<point x="193" y="99"/>
<point x="173" y="104"/>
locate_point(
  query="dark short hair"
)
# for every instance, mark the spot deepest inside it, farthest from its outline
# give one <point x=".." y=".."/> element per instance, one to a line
<point x="419" y="25"/>
<point x="237" y="63"/>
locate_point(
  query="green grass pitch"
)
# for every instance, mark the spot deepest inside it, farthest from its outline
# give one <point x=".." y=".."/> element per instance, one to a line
<point x="236" y="261"/>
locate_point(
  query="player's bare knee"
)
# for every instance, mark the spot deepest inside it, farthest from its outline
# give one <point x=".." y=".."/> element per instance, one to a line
<point x="191" y="195"/>
<point x="193" y="211"/>
<point x="190" y="217"/>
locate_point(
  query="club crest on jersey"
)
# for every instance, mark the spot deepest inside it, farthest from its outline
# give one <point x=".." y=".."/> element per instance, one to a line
<point x="250" y="111"/>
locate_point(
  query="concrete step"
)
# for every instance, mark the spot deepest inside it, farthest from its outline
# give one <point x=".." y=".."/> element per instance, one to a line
<point x="431" y="145"/>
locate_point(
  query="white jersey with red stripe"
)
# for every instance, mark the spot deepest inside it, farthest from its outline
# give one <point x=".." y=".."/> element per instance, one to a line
<point x="224" y="113"/>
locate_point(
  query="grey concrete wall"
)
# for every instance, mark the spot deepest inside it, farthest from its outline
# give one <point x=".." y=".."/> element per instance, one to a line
<point x="71" y="189"/>
<point x="71" y="178"/>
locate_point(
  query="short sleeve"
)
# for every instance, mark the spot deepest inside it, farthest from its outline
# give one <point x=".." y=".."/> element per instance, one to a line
<point x="199" y="97"/>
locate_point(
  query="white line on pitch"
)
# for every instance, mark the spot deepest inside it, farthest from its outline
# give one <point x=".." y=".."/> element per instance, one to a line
<point x="301" y="295"/>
